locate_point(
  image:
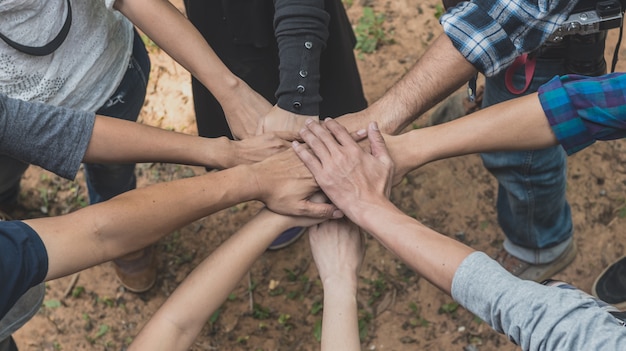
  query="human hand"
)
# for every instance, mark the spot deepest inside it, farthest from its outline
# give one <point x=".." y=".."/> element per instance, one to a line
<point x="350" y="177"/>
<point x="281" y="120"/>
<point x="286" y="186"/>
<point x="243" y="109"/>
<point x="257" y="148"/>
<point x="338" y="250"/>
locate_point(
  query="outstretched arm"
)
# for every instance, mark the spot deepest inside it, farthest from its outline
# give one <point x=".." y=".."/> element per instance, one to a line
<point x="178" y="322"/>
<point x="115" y="140"/>
<point x="465" y="48"/>
<point x="171" y="30"/>
<point x="518" y="124"/>
<point x="438" y="73"/>
<point x="59" y="139"/>
<point x="338" y="252"/>
<point x="101" y="230"/>
<point x="574" y="111"/>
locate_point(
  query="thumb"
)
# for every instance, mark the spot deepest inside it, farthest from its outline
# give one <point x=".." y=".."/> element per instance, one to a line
<point x="377" y="143"/>
<point x="288" y="135"/>
<point x="319" y="210"/>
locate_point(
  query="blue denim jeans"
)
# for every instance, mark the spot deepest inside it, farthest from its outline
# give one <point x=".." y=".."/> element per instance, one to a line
<point x="105" y="181"/>
<point x="532" y="209"/>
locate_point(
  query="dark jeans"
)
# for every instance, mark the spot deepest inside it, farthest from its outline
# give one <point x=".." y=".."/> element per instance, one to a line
<point x="105" y="181"/>
<point x="532" y="209"/>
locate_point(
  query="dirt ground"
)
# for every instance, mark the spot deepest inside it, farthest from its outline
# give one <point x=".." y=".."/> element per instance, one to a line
<point x="398" y="309"/>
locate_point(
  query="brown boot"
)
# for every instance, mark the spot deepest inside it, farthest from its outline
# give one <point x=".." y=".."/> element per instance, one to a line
<point x="137" y="271"/>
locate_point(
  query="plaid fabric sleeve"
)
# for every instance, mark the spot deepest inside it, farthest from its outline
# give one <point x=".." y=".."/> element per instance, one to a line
<point x="490" y="34"/>
<point x="581" y="109"/>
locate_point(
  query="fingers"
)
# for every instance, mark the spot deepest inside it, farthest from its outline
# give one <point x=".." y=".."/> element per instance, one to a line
<point x="377" y="143"/>
<point x="318" y="139"/>
<point x="339" y="132"/>
<point x="359" y="135"/>
<point x="320" y="210"/>
<point x="310" y="161"/>
<point x="288" y="135"/>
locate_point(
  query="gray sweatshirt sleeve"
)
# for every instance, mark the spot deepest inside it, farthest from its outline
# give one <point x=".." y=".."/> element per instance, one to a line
<point x="51" y="137"/>
<point x="534" y="316"/>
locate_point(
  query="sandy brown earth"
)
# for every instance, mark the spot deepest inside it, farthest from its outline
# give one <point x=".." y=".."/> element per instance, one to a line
<point x="398" y="309"/>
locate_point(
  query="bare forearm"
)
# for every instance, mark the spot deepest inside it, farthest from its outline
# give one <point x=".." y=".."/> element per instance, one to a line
<point x="137" y="218"/>
<point x="181" y="318"/>
<point x="437" y="74"/>
<point x="340" y="329"/>
<point x="434" y="256"/>
<point x="171" y="30"/>
<point x="177" y="36"/>
<point x="118" y="141"/>
<point x="518" y="124"/>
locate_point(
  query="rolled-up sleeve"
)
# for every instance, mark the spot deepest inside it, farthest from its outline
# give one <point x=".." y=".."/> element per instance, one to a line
<point x="583" y="109"/>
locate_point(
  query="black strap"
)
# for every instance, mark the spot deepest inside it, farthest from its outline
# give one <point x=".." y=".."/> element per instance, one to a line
<point x="51" y="46"/>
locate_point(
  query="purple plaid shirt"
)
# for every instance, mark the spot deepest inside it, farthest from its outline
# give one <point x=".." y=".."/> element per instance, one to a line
<point x="583" y="109"/>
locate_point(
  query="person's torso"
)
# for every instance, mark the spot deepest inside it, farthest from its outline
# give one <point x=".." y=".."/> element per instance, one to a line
<point x="83" y="71"/>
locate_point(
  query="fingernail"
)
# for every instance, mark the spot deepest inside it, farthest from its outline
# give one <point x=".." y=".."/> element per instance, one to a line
<point x="295" y="143"/>
<point x="374" y="126"/>
<point x="302" y="131"/>
<point x="308" y="121"/>
<point x="327" y="119"/>
<point x="361" y="132"/>
<point x="337" y="214"/>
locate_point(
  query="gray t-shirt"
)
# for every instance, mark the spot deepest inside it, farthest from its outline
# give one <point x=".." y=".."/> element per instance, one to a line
<point x="54" y="138"/>
<point x="534" y="316"/>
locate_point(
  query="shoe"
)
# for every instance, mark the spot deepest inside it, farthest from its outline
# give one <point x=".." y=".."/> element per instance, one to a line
<point x="137" y="271"/>
<point x="536" y="272"/>
<point x="287" y="238"/>
<point x="610" y="286"/>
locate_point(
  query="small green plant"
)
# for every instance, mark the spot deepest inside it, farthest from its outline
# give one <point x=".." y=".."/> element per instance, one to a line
<point x="150" y="45"/>
<point x="215" y="316"/>
<point x="365" y="318"/>
<point x="439" y="10"/>
<point x="369" y="31"/>
<point x="448" y="308"/>
<point x="317" y="307"/>
<point x="77" y="291"/>
<point x="277" y="291"/>
<point x="260" y="312"/>
<point x="52" y="303"/>
<point x="317" y="330"/>
<point x="417" y="320"/>
<point x="377" y="287"/>
<point x="284" y="320"/>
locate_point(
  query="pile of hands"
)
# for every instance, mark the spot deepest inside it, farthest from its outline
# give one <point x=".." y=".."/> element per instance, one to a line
<point x="296" y="158"/>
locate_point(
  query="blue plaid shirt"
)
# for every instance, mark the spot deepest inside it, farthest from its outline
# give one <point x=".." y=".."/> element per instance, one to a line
<point x="583" y="109"/>
<point x="492" y="33"/>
